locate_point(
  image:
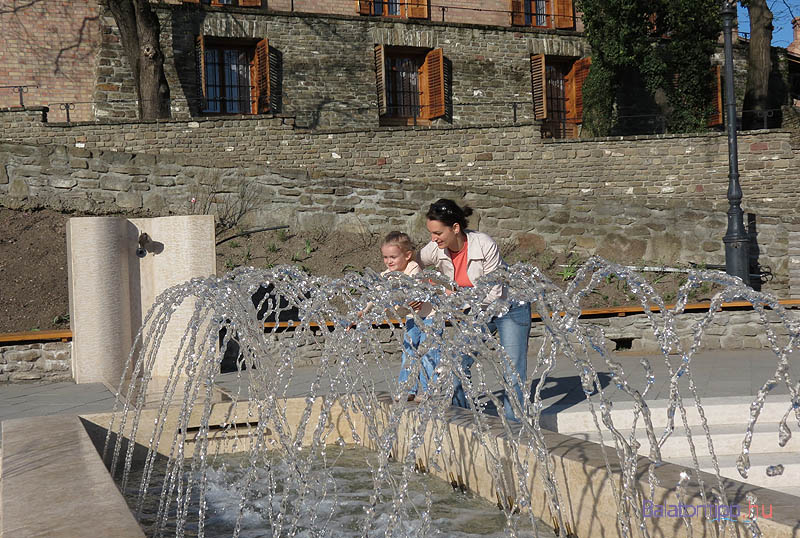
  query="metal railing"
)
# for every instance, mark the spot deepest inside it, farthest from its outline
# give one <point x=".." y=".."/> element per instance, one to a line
<point x="499" y="112"/>
<point x="21" y="89"/>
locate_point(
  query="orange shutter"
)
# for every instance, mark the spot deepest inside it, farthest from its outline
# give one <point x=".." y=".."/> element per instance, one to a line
<point x="517" y="13"/>
<point x="364" y="7"/>
<point x="200" y="54"/>
<point x="250" y="3"/>
<point x="191" y="1"/>
<point x="217" y="3"/>
<point x="433" y="74"/>
<point x="380" y="78"/>
<point x="538" y="86"/>
<point x="563" y="14"/>
<point x="580" y="70"/>
<point x="275" y="80"/>
<point x="418" y="9"/>
<point x="261" y="84"/>
<point x="716" y="116"/>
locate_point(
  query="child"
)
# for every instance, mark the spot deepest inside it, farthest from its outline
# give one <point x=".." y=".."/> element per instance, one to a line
<point x="397" y="252"/>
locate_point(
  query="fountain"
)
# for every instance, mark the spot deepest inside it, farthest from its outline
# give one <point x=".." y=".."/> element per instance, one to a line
<point x="545" y="483"/>
<point x="225" y="428"/>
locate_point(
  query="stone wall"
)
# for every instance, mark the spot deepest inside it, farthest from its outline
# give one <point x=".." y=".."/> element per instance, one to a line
<point x="49" y="362"/>
<point x="496" y="156"/>
<point x="633" y="220"/>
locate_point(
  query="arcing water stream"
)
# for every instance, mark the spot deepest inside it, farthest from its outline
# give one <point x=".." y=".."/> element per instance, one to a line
<point x="287" y="475"/>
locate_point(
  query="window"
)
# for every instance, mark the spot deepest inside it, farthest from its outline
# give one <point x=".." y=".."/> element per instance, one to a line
<point x="543" y="13"/>
<point x="557" y="88"/>
<point x="237" y="77"/>
<point x="413" y="9"/>
<point x="411" y="84"/>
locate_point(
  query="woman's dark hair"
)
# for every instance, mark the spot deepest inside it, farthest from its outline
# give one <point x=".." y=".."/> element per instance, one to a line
<point x="448" y="212"/>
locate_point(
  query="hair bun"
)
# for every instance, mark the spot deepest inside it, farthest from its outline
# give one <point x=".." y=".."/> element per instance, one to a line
<point x="467" y="210"/>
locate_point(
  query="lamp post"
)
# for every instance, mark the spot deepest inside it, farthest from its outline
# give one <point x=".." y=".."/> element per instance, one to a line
<point x="737" y="262"/>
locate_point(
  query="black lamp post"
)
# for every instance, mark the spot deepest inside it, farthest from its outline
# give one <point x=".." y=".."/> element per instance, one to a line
<point x="737" y="262"/>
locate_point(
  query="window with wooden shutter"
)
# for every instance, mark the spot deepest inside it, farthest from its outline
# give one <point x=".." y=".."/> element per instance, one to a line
<point x="564" y="18"/>
<point x="557" y="92"/>
<point x="380" y="78"/>
<point x="261" y="86"/>
<point x="538" y="85"/>
<point x="200" y="62"/>
<point x="518" y="12"/>
<point x="250" y="3"/>
<point x="418" y="9"/>
<point x="191" y="1"/>
<point x="715" y="119"/>
<point x="432" y="73"/>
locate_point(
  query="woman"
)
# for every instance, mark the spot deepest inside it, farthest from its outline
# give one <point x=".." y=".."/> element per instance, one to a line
<point x="465" y="256"/>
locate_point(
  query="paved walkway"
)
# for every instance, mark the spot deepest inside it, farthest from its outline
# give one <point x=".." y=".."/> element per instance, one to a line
<point x="715" y="374"/>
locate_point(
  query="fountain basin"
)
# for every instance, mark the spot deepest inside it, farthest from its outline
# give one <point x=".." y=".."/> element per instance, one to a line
<point x="54" y="462"/>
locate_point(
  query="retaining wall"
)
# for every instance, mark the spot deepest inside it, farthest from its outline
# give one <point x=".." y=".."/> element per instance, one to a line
<point x="50" y="361"/>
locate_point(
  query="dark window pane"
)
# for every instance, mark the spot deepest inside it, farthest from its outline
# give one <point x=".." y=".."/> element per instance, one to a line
<point x="402" y="87"/>
<point x="228" y="80"/>
<point x="556" y="122"/>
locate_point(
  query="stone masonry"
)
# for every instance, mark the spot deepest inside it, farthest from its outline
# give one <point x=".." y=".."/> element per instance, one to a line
<point x="664" y="227"/>
<point x="36" y="362"/>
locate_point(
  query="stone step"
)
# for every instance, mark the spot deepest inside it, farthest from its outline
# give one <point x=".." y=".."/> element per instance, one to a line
<point x="717" y="410"/>
<point x="757" y="475"/>
<point x="727" y="439"/>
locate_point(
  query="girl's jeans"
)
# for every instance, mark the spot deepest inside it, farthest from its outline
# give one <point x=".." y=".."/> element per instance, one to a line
<point x="413" y="337"/>
<point x="513" y="329"/>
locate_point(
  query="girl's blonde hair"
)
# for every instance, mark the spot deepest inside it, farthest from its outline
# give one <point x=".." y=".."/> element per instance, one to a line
<point x="400" y="239"/>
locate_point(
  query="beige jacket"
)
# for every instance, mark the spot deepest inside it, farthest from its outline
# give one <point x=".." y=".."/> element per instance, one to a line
<point x="411" y="269"/>
<point x="483" y="257"/>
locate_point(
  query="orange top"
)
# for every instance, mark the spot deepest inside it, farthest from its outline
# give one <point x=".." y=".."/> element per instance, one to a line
<point x="460" y="261"/>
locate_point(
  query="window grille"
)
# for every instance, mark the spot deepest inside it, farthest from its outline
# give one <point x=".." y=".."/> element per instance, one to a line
<point x="228" y="86"/>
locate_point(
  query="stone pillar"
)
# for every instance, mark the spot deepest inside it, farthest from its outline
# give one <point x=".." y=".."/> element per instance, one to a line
<point x="111" y="289"/>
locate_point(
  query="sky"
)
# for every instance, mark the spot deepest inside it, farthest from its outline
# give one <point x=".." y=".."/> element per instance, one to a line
<point x="782" y="13"/>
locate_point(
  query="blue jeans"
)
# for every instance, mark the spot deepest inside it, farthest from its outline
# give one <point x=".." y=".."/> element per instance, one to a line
<point x="513" y="329"/>
<point x="412" y="338"/>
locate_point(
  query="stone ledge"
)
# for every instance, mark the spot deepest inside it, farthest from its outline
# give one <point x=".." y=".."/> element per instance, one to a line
<point x="51" y="462"/>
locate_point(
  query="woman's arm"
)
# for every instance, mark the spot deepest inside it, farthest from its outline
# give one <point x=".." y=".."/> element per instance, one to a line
<point x="491" y="261"/>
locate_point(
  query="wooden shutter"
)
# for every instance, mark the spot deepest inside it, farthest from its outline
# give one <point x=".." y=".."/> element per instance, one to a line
<point x="364" y="7"/>
<point x="250" y="3"/>
<point x="539" y="86"/>
<point x="715" y="119"/>
<point x="200" y="62"/>
<point x="517" y="13"/>
<point x="275" y="80"/>
<point x="432" y="73"/>
<point x="579" y="72"/>
<point x="418" y="9"/>
<point x="191" y="1"/>
<point x="380" y="78"/>
<point x="261" y="84"/>
<point x="564" y="14"/>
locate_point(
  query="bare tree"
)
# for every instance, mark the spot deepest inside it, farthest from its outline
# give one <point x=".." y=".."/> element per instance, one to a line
<point x="140" y="31"/>
<point x="759" y="63"/>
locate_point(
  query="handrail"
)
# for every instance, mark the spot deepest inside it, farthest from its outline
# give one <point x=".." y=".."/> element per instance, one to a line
<point x="65" y="335"/>
<point x="28" y="337"/>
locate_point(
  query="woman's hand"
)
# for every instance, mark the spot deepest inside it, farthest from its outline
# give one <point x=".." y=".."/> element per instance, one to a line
<point x="416" y="306"/>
